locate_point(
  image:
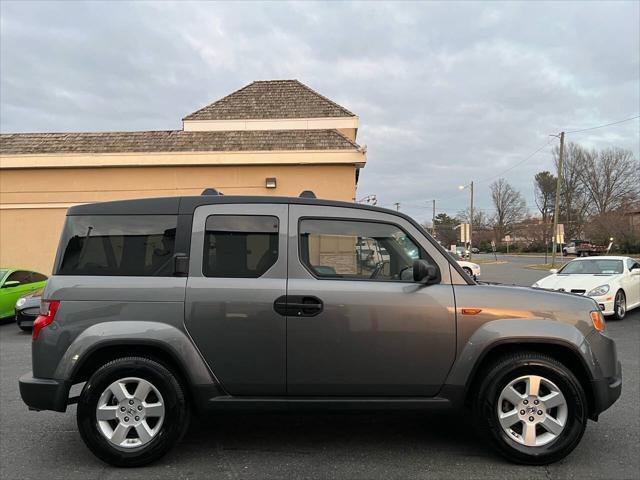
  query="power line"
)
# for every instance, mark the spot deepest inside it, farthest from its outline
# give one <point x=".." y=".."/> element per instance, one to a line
<point x="517" y="164"/>
<point x="602" y="126"/>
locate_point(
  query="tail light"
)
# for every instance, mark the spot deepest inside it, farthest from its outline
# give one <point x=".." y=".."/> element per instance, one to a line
<point x="45" y="319"/>
<point x="598" y="320"/>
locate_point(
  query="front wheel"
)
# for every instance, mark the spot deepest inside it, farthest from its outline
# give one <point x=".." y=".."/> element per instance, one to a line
<point x="620" y="305"/>
<point x="531" y="408"/>
<point x="132" y="411"/>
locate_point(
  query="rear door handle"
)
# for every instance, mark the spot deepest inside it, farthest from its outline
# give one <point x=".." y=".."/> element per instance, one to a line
<point x="298" y="305"/>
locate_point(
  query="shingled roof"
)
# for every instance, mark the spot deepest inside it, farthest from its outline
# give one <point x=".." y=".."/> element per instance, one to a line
<point x="173" y="141"/>
<point x="271" y="99"/>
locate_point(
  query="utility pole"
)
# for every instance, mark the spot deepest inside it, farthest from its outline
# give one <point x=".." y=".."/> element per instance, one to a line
<point x="397" y="204"/>
<point x="433" y="220"/>
<point x="556" y="209"/>
<point x="471" y="225"/>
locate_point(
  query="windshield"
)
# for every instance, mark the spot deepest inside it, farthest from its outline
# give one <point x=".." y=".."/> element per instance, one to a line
<point x="2" y="273"/>
<point x="592" y="267"/>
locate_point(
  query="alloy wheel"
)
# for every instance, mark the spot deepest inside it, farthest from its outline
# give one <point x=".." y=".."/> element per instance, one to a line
<point x="620" y="305"/>
<point x="130" y="412"/>
<point x="532" y="410"/>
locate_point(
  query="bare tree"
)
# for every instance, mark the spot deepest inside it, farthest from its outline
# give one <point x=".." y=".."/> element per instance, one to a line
<point x="573" y="203"/>
<point x="611" y="179"/>
<point x="510" y="207"/>
<point x="480" y="219"/>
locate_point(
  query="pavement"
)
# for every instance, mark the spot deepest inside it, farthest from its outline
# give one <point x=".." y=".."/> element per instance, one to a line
<point x="46" y="445"/>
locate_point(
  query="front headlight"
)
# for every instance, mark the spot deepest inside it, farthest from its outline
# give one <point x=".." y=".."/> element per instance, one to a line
<point x="21" y="302"/>
<point x="598" y="291"/>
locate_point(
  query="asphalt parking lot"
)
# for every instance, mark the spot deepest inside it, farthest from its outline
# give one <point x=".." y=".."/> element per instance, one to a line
<point x="350" y="446"/>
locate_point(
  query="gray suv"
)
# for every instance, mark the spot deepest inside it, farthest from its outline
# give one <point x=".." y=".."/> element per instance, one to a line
<point x="169" y="307"/>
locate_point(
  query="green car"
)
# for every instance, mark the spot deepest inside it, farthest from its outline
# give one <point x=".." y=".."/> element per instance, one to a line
<point x="15" y="284"/>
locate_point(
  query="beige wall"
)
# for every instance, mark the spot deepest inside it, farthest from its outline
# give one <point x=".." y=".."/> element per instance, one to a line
<point x="33" y="201"/>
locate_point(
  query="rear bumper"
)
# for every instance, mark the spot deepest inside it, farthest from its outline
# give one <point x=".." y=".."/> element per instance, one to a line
<point x="44" y="393"/>
<point x="606" y="391"/>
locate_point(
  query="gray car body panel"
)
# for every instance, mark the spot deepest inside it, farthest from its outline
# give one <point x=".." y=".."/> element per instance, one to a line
<point x="377" y="338"/>
<point x="232" y="320"/>
<point x="231" y="343"/>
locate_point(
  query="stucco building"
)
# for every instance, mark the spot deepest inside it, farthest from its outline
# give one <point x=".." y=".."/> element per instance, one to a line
<point x="268" y="138"/>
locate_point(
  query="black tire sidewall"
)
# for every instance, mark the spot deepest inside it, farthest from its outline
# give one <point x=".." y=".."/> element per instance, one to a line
<point x="576" y="417"/>
<point x="615" y="306"/>
<point x="175" y="419"/>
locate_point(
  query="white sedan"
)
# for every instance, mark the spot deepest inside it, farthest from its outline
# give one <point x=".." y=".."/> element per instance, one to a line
<point x="472" y="269"/>
<point x="613" y="282"/>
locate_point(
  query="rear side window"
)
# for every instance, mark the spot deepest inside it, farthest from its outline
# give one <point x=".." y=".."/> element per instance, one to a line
<point x="118" y="245"/>
<point x="38" y="277"/>
<point x="240" y="246"/>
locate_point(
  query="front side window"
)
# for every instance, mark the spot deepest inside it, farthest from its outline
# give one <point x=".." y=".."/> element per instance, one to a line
<point x="20" y="276"/>
<point x="351" y="249"/>
<point x="118" y="245"/>
<point x="240" y="246"/>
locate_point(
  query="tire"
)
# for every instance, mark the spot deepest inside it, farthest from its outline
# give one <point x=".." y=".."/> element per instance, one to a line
<point x="25" y="328"/>
<point x="164" y="426"/>
<point x="544" y="446"/>
<point x="620" y="305"/>
<point x="468" y="271"/>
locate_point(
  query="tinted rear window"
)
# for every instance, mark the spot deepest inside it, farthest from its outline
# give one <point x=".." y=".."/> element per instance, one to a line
<point x="120" y="245"/>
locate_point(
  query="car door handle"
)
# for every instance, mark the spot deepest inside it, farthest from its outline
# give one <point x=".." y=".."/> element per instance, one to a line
<point x="298" y="305"/>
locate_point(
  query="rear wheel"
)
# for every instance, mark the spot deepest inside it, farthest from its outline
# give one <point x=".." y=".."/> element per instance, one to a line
<point x="132" y="411"/>
<point x="531" y="408"/>
<point x="620" y="305"/>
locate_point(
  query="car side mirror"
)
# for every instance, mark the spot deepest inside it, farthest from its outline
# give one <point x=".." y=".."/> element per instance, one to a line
<point x="424" y="272"/>
<point x="11" y="283"/>
<point x="554" y="270"/>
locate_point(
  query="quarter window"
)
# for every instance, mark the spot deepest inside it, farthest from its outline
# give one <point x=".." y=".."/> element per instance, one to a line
<point x="240" y="246"/>
<point x="123" y="245"/>
<point x="357" y="250"/>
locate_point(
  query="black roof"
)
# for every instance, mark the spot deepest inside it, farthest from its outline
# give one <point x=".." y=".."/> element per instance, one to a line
<point x="186" y="205"/>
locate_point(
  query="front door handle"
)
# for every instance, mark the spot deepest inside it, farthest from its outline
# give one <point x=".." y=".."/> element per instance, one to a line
<point x="298" y="305"/>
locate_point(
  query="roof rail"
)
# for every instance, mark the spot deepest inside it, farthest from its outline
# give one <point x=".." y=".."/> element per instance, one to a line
<point x="307" y="194"/>
<point x="211" y="191"/>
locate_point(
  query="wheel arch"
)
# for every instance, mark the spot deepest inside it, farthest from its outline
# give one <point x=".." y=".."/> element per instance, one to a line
<point x="564" y="352"/>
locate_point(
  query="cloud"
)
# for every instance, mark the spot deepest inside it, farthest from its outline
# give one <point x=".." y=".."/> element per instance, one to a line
<point x="446" y="92"/>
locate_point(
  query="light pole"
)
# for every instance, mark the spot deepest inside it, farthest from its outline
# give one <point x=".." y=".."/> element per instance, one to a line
<point x="462" y="187"/>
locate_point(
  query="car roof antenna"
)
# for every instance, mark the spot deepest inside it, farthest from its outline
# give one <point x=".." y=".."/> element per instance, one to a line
<point x="308" y="194"/>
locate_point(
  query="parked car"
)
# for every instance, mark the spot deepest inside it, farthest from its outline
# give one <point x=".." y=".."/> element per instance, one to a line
<point x="475" y="250"/>
<point x="170" y="306"/>
<point x="28" y="309"/>
<point x="471" y="269"/>
<point x="613" y="282"/>
<point x="15" y="284"/>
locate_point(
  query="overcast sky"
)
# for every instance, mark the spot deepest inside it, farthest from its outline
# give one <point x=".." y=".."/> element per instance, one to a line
<point x="446" y="92"/>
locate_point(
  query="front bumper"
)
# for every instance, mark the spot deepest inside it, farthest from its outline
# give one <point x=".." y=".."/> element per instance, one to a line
<point x="24" y="318"/>
<point x="606" y="391"/>
<point x="606" y="306"/>
<point x="44" y="393"/>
